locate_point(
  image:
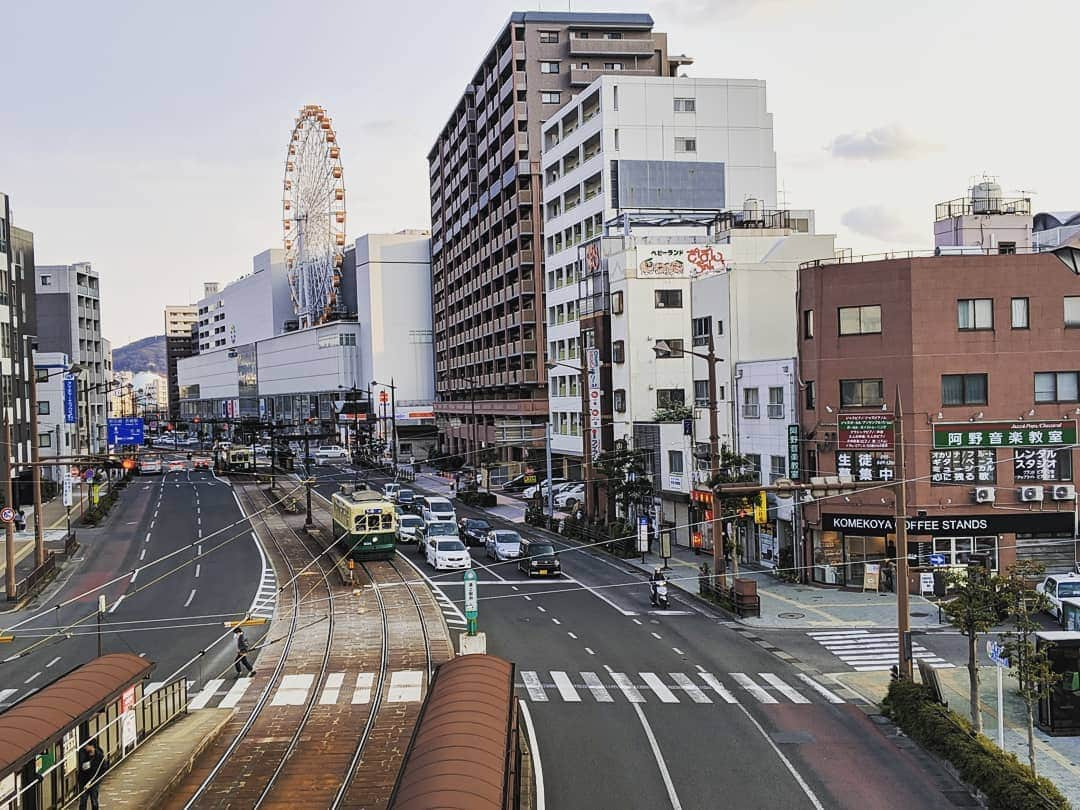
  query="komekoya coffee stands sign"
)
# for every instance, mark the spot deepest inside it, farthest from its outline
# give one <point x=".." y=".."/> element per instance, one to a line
<point x="878" y="525"/>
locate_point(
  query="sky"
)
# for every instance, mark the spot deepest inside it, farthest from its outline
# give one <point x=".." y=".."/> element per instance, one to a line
<point x="150" y="138"/>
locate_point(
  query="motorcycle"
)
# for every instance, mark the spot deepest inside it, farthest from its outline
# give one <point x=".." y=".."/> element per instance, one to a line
<point x="659" y="595"/>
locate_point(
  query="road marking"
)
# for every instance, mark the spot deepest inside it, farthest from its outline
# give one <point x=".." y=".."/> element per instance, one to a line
<point x="6" y="693"/>
<point x="152" y="687"/>
<point x="555" y="620"/>
<point x="134" y="574"/>
<point x="589" y="651"/>
<point x="533" y="687"/>
<point x="657" y="636"/>
<point x="362" y="693"/>
<point x="751" y="687"/>
<point x="232" y="697"/>
<point x="198" y="549"/>
<point x="152" y="522"/>
<point x="672" y="796"/>
<point x="700" y="668"/>
<point x="682" y="680"/>
<point x="52" y="662"/>
<point x="32" y="677"/>
<point x="527" y="598"/>
<point x="652" y="680"/>
<point x="791" y="694"/>
<point x="332" y="688"/>
<point x="405" y="686"/>
<point x="677" y="651"/>
<point x="636" y="621"/>
<point x="190" y="597"/>
<point x="293" y="690"/>
<point x="714" y="683"/>
<point x="198" y="567"/>
<point x="541" y="608"/>
<point x="147" y="540"/>
<point x="596" y="686"/>
<point x="116" y="604"/>
<point x="537" y="766"/>
<point x="155" y="513"/>
<point x="142" y="555"/>
<point x="832" y="697"/>
<point x="206" y="694"/>
<point x="627" y="687"/>
<point x="565" y="687"/>
<point x="570" y="634"/>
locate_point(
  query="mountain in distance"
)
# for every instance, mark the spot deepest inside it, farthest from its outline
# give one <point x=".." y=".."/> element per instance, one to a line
<point x="147" y="354"/>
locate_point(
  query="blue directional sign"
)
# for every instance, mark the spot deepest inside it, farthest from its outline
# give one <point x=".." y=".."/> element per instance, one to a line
<point x="996" y="653"/>
<point x="126" y="430"/>
<point x="937" y="559"/>
<point x="71" y="412"/>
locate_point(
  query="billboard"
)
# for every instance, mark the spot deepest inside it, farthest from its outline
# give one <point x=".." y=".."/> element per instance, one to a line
<point x="592" y="357"/>
<point x="864" y="431"/>
<point x="71" y="408"/>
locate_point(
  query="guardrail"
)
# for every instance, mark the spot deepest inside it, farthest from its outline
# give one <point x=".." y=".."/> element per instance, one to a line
<point x="741" y="597"/>
<point x="37" y="577"/>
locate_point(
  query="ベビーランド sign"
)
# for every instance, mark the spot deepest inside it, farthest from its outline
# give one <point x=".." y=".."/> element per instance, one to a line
<point x="960" y="435"/>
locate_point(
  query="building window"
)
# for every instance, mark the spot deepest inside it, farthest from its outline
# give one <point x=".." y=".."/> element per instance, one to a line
<point x="957" y="550"/>
<point x="670" y="397"/>
<point x="43" y="407"/>
<point x="685" y="105"/>
<point x="550" y="97"/>
<point x="864" y="320"/>
<point x="684" y="145"/>
<point x="963" y="389"/>
<point x="753" y="463"/>
<point x="1056" y="386"/>
<point x="612" y="65"/>
<point x="41" y="375"/>
<point x="1020" y="313"/>
<point x="808" y="324"/>
<point x="618" y="351"/>
<point x="615" y="97"/>
<point x="810" y="395"/>
<point x="46" y="280"/>
<point x="668" y="299"/>
<point x="862" y="393"/>
<point x="777" y="468"/>
<point x="975" y="313"/>
<point x="549" y="37"/>
<point x="701" y="327"/>
<point x="618" y="400"/>
<point x="776" y="402"/>
<point x="616" y="134"/>
<point x="617" y="303"/>
<point x="750" y="408"/>
<point x="44" y="440"/>
<point x="549" y="67"/>
<point x="1007" y="248"/>
<point x="1072" y="310"/>
<point x="675" y="462"/>
<point x="701" y="393"/>
<point x="613" y="35"/>
<point x="674" y="349"/>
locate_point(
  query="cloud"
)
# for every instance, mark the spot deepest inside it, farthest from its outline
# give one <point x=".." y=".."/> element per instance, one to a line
<point x="698" y="12"/>
<point x="380" y="126"/>
<point x="890" y="142"/>
<point x="878" y="222"/>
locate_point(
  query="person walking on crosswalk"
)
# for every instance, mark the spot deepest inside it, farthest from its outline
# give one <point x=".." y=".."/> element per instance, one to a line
<point x="241" y="653"/>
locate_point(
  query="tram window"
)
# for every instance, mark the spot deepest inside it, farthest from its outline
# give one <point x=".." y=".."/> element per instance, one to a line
<point x="388" y="521"/>
<point x="373" y="522"/>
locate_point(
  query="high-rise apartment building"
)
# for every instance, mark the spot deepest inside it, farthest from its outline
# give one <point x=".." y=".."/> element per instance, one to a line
<point x="487" y="230"/>
<point x="180" y="341"/>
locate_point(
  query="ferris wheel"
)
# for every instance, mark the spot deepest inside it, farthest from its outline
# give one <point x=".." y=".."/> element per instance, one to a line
<point x="314" y="218"/>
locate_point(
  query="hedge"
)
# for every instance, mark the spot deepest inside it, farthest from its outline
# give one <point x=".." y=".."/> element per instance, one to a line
<point x="1002" y="778"/>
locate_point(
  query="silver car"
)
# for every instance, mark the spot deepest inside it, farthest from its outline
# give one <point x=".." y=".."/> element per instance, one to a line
<point x="503" y="544"/>
<point x="407" y="526"/>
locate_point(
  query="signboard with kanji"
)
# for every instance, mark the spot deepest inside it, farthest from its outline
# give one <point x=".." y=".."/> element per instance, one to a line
<point x="1042" y="464"/>
<point x="866" y="466"/>
<point x="864" y="431"/>
<point x="963" y="466"/>
<point x="794" y="468"/>
<point x="592" y="358"/>
<point x="1004" y="434"/>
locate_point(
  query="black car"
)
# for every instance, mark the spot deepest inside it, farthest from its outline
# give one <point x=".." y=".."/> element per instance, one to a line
<point x="406" y="499"/>
<point x="520" y="482"/>
<point x="473" y="531"/>
<point x="538" y="559"/>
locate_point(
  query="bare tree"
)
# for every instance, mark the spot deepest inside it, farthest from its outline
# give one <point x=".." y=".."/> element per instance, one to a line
<point x="979" y="601"/>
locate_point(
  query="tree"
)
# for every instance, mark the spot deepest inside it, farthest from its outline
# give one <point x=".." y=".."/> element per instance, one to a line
<point x="974" y="611"/>
<point x="626" y="479"/>
<point x="733" y="469"/>
<point x="1029" y="664"/>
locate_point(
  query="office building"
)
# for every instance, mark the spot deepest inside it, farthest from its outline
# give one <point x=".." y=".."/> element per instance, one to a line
<point x="181" y="340"/>
<point x="254" y="307"/>
<point x="57" y="437"/>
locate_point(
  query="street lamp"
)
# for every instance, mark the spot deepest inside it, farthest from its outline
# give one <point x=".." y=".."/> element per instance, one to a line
<point x="393" y="419"/>
<point x="663" y="349"/>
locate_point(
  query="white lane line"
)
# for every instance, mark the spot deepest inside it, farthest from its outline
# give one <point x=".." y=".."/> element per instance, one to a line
<point x="748" y="684"/>
<point x="571" y="634"/>
<point x="152" y="522"/>
<point x="332" y="688"/>
<point x="677" y="651"/>
<point x="405" y="686"/>
<point x="627" y="687"/>
<point x="832" y="697"/>
<point x="656" y="636"/>
<point x="541" y="608"/>
<point x="155" y="513"/>
<point x="636" y="621"/>
<point x="527" y="598"/>
<point x="6" y="693"/>
<point x="147" y="540"/>
<point x="198" y="567"/>
<point x="206" y="694"/>
<point x="362" y="693"/>
<point x="32" y="677"/>
<point x="555" y="620"/>
<point x="682" y="680"/>
<point x="589" y="651"/>
<point x="293" y="690"/>
<point x="672" y="795"/>
<point x="699" y="667"/>
<point x="837" y="633"/>
<point x="190" y="597"/>
<point x="652" y="680"/>
<point x="538" y="768"/>
<point x="199" y="549"/>
<point x="232" y="697"/>
<point x="714" y="683"/>
<point x="778" y="684"/>
<point x="116" y="604"/>
<point x="142" y="555"/>
<point x="533" y="687"/>
<point x="134" y="574"/>
<point x="565" y="687"/>
<point x="52" y="662"/>
<point x="596" y="686"/>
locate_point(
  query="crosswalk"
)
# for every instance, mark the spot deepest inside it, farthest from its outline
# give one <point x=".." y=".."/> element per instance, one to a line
<point x="669" y="688"/>
<point x="339" y="688"/>
<point x="868" y="651"/>
<point x="265" y="598"/>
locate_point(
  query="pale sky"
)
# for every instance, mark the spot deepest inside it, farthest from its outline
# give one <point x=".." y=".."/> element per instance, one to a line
<point x="151" y="142"/>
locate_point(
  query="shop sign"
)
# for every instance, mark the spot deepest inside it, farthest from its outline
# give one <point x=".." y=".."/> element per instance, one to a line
<point x="963" y="467"/>
<point x="864" y="431"/>
<point x="880" y="525"/>
<point x="674" y="482"/>
<point x="1042" y="464"/>
<point x="592" y="360"/>
<point x="1004" y="434"/>
<point x="866" y="466"/>
<point x="793" y="465"/>
<point x="672" y="262"/>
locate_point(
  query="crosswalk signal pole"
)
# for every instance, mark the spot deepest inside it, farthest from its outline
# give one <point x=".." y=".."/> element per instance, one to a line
<point x="902" y="601"/>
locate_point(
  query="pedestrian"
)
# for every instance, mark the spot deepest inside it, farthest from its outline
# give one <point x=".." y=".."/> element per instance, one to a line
<point x="20" y="521"/>
<point x="241" y="653"/>
<point x="92" y="765"/>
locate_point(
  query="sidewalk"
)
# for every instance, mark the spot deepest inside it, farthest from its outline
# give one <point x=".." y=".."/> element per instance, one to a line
<point x="54" y="531"/>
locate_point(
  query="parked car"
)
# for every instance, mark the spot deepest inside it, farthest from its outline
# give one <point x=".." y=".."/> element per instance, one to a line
<point x="407" y="499"/>
<point x="520" y="482"/>
<point x="448" y="554"/>
<point x="530" y="492"/>
<point x="390" y="490"/>
<point x="474" y="530"/>
<point x="538" y="558"/>
<point x="441" y="529"/>
<point x="438" y="509"/>
<point x="331" y="451"/>
<point x="408" y="525"/>
<point x="570" y="496"/>
<point x="1058" y="587"/>
<point x="503" y="544"/>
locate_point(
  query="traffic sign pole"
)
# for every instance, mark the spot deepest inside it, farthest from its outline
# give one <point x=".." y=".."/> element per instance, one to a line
<point x="996" y="653"/>
<point x="471" y="602"/>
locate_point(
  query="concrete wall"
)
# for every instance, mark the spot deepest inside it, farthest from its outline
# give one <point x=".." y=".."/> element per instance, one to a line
<point x="310" y="360"/>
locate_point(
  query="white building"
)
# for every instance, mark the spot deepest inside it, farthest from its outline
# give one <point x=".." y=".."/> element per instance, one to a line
<point x="629" y="144"/>
<point x="253" y="307"/>
<point x="56" y="436"/>
<point x="985" y="220"/>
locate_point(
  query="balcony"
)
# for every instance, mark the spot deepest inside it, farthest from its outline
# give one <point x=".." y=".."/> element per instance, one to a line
<point x="580" y="78"/>
<point x="610" y="47"/>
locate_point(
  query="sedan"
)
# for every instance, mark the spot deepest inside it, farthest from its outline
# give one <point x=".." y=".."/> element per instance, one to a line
<point x="201" y="462"/>
<point x="407" y="527"/>
<point x="448" y="554"/>
<point x="570" y="496"/>
<point x="176" y="465"/>
<point x="542" y="488"/>
<point x="503" y="544"/>
<point x="474" y="530"/>
<point x="1057" y="587"/>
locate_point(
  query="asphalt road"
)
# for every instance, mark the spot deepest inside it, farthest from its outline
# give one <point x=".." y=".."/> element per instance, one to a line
<point x="635" y="707"/>
<point x="167" y="611"/>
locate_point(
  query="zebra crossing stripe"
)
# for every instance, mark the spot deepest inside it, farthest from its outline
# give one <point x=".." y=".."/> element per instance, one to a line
<point x="405" y="686"/>
<point x="293" y="690"/>
<point x="533" y="687"/>
<point x="781" y="687"/>
<point x="565" y="687"/>
<point x="151" y="687"/>
<point x="714" y="683"/>
<point x="817" y="687"/>
<point x="362" y="693"/>
<point x="659" y="688"/>
<point x="206" y="694"/>
<point x="596" y="686"/>
<point x="232" y="697"/>
<point x="627" y="687"/>
<point x="689" y="687"/>
<point x="748" y="684"/>
<point x="6" y="693"/>
<point x="332" y="688"/>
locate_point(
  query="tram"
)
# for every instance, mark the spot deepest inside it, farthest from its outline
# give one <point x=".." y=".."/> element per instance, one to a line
<point x="365" y="524"/>
<point x="236" y="459"/>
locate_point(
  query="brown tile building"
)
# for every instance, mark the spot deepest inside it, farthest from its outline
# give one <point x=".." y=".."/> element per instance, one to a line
<point x="486" y="228"/>
<point x="985" y="350"/>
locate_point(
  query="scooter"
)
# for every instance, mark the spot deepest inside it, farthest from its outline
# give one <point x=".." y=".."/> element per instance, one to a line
<point x="659" y="597"/>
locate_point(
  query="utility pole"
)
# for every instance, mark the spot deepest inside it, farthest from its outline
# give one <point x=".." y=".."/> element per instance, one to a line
<point x="35" y="457"/>
<point x="86" y="412"/>
<point x="307" y="478"/>
<point x="550" y="488"/>
<point x="9" y="526"/>
<point x="100" y="613"/>
<point x="719" y="569"/>
<point x="900" y="491"/>
<point x="393" y="422"/>
<point x="587" y="433"/>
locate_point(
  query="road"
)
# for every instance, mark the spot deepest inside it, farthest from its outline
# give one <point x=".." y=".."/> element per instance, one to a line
<point x="167" y="611"/>
<point x="635" y="707"/>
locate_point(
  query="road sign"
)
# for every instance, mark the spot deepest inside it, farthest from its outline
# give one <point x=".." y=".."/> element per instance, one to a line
<point x="996" y="653"/>
<point x="7" y="514"/>
<point x="126" y="430"/>
<point x="937" y="559"/>
<point x="642" y="534"/>
<point x="88" y="474"/>
<point x="68" y="499"/>
<point x="471" y="602"/>
<point x="384" y="397"/>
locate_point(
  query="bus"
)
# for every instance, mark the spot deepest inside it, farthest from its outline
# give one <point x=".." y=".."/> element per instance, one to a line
<point x="365" y="524"/>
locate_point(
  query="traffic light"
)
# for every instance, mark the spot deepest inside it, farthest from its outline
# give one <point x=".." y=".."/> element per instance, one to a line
<point x="128" y="464"/>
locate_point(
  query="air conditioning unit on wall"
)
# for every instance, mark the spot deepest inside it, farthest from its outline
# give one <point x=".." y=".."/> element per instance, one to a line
<point x="1063" y="492"/>
<point x="985" y="494"/>
<point x="1029" y="494"/>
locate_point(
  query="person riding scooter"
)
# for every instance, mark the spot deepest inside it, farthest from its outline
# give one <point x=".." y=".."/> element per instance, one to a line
<point x="655" y="578"/>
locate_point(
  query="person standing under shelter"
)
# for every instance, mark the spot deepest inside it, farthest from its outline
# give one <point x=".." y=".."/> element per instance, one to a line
<point x="92" y="765"/>
<point x="241" y="653"/>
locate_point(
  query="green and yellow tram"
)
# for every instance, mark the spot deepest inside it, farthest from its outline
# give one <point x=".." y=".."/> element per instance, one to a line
<point x="365" y="524"/>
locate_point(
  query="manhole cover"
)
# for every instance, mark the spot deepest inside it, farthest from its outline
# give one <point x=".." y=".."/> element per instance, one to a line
<point x="920" y="615"/>
<point x="790" y="615"/>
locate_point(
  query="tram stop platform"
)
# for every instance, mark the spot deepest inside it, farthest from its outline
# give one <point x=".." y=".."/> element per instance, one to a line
<point x="146" y="777"/>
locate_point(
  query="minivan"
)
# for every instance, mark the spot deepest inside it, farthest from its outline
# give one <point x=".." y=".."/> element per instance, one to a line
<point x="537" y="558"/>
<point x="435" y="509"/>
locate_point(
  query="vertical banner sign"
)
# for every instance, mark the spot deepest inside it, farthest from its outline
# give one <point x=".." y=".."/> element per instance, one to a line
<point x="471" y="603"/>
<point x="68" y="500"/>
<point x="592" y="357"/>
<point x="794" y="468"/>
<point x="642" y="534"/>
<point x="71" y="413"/>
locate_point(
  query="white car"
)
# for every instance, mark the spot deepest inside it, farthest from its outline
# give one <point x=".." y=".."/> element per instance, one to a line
<point x="438" y="510"/>
<point x="570" y="496"/>
<point x="330" y="451"/>
<point x="1058" y="587"/>
<point x="391" y="490"/>
<point x="503" y="544"/>
<point x="449" y="554"/>
<point x="542" y="488"/>
<point x="407" y="527"/>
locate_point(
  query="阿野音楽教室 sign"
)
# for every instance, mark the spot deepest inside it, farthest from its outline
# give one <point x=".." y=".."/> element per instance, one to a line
<point x="1004" y="434"/>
